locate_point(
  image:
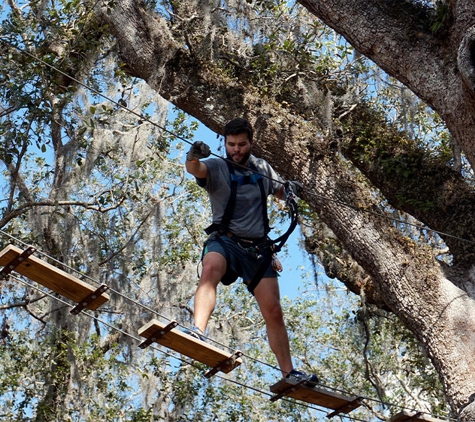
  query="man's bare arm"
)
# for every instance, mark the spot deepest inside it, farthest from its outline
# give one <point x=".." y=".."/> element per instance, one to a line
<point x="193" y="164"/>
<point x="196" y="168"/>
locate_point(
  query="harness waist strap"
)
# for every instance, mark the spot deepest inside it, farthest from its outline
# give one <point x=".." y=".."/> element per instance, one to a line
<point x="223" y="231"/>
<point x="255" y="241"/>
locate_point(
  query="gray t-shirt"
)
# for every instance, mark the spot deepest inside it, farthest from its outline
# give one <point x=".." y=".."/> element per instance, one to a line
<point x="247" y="220"/>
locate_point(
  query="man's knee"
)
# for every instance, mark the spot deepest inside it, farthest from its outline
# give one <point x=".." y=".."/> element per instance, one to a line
<point x="214" y="267"/>
<point x="272" y="312"/>
<point x="268" y="297"/>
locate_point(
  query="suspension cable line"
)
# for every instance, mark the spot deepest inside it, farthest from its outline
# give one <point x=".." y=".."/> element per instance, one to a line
<point x="144" y="118"/>
<point x="133" y="301"/>
<point x="193" y="364"/>
<point x="309" y="191"/>
<point x="160" y="350"/>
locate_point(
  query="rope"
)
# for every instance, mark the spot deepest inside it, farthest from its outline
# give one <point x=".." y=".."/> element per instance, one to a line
<point x="138" y="340"/>
<point x="144" y="118"/>
<point x="310" y="192"/>
<point x="183" y="360"/>
<point x="131" y="300"/>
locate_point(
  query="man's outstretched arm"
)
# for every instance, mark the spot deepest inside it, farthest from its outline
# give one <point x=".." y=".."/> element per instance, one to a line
<point x="193" y="164"/>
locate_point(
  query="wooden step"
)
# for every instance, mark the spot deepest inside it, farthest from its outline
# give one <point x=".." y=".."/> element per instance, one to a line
<point x="85" y="295"/>
<point x="315" y="395"/>
<point x="169" y="336"/>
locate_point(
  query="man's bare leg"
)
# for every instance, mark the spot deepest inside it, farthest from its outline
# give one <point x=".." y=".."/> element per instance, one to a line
<point x="267" y="295"/>
<point x="214" y="267"/>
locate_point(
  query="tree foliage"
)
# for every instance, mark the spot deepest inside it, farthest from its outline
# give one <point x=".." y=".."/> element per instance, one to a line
<point x="93" y="181"/>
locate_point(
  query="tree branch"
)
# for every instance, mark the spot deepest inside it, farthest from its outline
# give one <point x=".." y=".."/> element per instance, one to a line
<point x="50" y="203"/>
<point x="403" y="39"/>
<point x="22" y="303"/>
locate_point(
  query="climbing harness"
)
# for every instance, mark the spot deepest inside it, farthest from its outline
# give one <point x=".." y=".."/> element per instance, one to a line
<point x="275" y="246"/>
<point x="236" y="181"/>
<point x="264" y="248"/>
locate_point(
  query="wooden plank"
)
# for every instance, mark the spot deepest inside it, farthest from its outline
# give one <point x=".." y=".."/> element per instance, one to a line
<point x="53" y="278"/>
<point x="406" y="416"/>
<point x="315" y="395"/>
<point x="189" y="346"/>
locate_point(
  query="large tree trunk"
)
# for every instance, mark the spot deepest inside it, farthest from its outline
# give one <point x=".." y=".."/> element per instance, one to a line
<point x="428" y="50"/>
<point x="406" y="276"/>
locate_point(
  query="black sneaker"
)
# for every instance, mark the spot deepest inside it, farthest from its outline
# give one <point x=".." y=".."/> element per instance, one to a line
<point x="194" y="332"/>
<point x="310" y="380"/>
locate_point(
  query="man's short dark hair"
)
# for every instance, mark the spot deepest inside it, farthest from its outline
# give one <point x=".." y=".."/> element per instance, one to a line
<point x="238" y="126"/>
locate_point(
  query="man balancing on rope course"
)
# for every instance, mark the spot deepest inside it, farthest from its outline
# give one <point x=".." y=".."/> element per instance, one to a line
<point x="238" y="245"/>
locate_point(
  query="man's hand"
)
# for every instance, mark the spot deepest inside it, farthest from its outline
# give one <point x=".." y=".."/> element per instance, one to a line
<point x="198" y="150"/>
